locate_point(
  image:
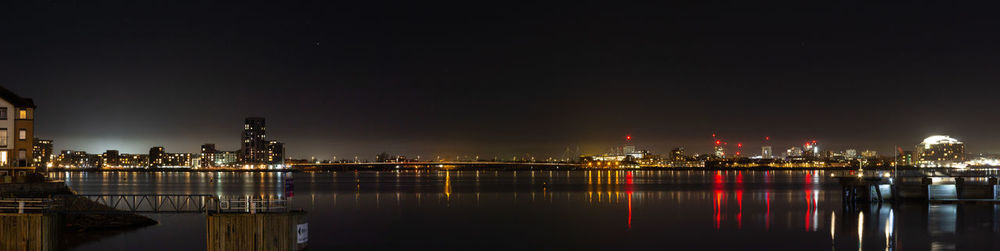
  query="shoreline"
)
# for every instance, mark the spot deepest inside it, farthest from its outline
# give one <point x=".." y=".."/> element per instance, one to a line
<point x="519" y="168"/>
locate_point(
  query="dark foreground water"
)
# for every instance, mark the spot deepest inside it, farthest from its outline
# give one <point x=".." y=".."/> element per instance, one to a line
<point x="535" y="210"/>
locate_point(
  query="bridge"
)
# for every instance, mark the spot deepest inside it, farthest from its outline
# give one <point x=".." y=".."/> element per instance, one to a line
<point x="143" y="204"/>
<point x="433" y="164"/>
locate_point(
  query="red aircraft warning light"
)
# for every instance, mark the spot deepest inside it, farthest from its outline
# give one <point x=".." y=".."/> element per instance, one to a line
<point x="628" y="137"/>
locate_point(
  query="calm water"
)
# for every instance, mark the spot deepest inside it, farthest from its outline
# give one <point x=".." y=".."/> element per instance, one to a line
<point x="592" y="210"/>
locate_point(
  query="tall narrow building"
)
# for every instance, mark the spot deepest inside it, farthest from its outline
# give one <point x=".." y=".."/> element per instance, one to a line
<point x="42" y="153"/>
<point x="254" y="146"/>
<point x="765" y="152"/>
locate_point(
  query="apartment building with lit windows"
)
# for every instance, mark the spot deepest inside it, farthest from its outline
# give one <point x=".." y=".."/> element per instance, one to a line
<point x="16" y="129"/>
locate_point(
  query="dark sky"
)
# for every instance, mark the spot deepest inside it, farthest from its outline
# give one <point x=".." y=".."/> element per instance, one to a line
<point x="503" y="77"/>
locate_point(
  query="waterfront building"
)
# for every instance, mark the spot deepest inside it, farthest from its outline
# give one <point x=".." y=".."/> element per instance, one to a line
<point x="116" y="159"/>
<point x="766" y="153"/>
<point x="159" y="158"/>
<point x="253" y="149"/>
<point x="16" y="129"/>
<point x="208" y="155"/>
<point x="940" y="151"/>
<point x="275" y="152"/>
<point x="77" y="160"/>
<point x="110" y="158"/>
<point x="156" y="156"/>
<point x="42" y="153"/>
<point x="720" y="152"/>
<point x="213" y="158"/>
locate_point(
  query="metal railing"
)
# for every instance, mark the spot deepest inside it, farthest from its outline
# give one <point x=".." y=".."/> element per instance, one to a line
<point x="23" y="205"/>
<point x="136" y="203"/>
<point x="251" y="204"/>
<point x="144" y="203"/>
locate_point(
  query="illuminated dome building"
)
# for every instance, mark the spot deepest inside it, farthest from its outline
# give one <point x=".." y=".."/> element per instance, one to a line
<point x="940" y="151"/>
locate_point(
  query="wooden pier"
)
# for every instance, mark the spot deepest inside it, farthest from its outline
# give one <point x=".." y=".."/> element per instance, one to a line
<point x="257" y="231"/>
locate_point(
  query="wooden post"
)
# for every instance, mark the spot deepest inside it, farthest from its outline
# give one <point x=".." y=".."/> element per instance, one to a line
<point x="257" y="231"/>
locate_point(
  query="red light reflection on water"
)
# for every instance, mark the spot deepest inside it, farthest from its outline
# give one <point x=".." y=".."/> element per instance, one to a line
<point x="767" y="215"/>
<point x="739" y="216"/>
<point x="718" y="201"/>
<point x="628" y="190"/>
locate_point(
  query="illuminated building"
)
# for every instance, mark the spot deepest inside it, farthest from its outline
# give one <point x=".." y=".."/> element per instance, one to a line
<point x="254" y="145"/>
<point x="42" y="153"/>
<point x="16" y="130"/>
<point x="851" y="154"/>
<point x="793" y="152"/>
<point x="115" y="159"/>
<point x="110" y="158"/>
<point x="766" y="153"/>
<point x="940" y="151"/>
<point x="869" y="154"/>
<point x="720" y="152"/>
<point x="77" y="160"/>
<point x="905" y="158"/>
<point x="213" y="158"/>
<point x="628" y="150"/>
<point x="156" y="156"/>
<point x="159" y="158"/>
<point x="677" y="154"/>
<point x="811" y="149"/>
<point x="275" y="152"/>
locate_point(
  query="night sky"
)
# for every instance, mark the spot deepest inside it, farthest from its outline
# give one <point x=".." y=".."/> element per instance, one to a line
<point x="501" y="77"/>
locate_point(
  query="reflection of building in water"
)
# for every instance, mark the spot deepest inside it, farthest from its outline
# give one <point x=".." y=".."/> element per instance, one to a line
<point x="940" y="151"/>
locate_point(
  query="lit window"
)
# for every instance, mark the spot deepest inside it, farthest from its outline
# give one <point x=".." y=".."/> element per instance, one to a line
<point x="22" y="134"/>
<point x="22" y="114"/>
<point x="3" y="137"/>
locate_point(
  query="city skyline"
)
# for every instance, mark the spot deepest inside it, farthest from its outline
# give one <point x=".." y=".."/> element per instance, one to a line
<point x="362" y="78"/>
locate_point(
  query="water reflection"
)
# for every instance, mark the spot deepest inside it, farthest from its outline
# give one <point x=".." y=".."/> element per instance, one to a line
<point x="688" y="209"/>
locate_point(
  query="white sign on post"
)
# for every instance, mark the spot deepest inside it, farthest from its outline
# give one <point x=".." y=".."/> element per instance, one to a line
<point x="303" y="233"/>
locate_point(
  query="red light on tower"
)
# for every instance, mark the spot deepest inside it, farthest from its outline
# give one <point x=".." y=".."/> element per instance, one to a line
<point x="767" y="137"/>
<point x="717" y="142"/>
<point x="739" y="144"/>
<point x="628" y="137"/>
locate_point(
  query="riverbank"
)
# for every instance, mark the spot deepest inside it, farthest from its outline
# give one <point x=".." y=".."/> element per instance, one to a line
<point x="362" y="167"/>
